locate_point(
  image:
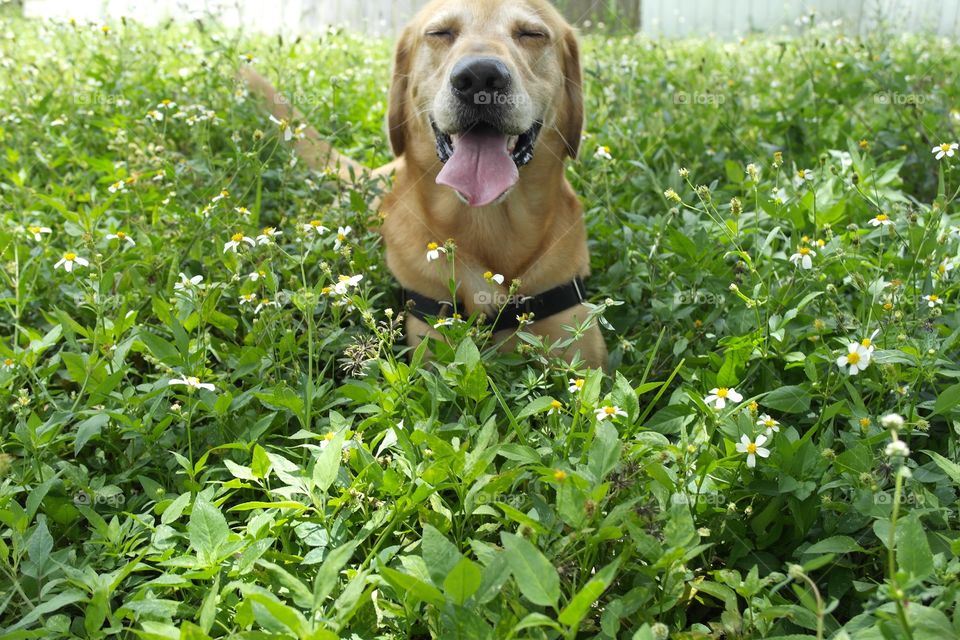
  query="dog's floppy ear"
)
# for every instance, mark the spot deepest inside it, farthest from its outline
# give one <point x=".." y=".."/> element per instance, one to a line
<point x="397" y="109"/>
<point x="571" y="115"/>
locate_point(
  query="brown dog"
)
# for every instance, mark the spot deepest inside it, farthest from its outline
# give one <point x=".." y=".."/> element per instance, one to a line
<point x="485" y="106"/>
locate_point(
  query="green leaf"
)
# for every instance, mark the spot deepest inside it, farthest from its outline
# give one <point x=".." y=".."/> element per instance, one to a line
<point x="789" y="399"/>
<point x="580" y="604"/>
<point x="605" y="451"/>
<point x="328" y="463"/>
<point x="913" y="549"/>
<point x="948" y="466"/>
<point x="89" y="428"/>
<point x="462" y="581"/>
<point x="328" y="576"/>
<point x="207" y="530"/>
<point x="536" y="577"/>
<point x="835" y="544"/>
<point x="538" y="405"/>
<point x="439" y="554"/>
<point x="947" y="401"/>
<point x="405" y="583"/>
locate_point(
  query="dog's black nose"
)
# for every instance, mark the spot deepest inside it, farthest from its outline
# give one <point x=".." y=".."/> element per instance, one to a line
<point x="479" y="80"/>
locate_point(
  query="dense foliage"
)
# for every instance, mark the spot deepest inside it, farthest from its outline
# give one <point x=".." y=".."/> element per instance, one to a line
<point x="211" y="427"/>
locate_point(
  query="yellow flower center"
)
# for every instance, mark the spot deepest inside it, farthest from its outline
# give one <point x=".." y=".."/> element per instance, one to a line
<point x="866" y="342"/>
<point x="343" y="278"/>
<point x="433" y="246"/>
<point x="330" y="435"/>
<point x="610" y="410"/>
<point x="326" y="290"/>
<point x="488" y="275"/>
<point x="801" y="173"/>
<point x="559" y="475"/>
<point x="556" y="404"/>
<point x="341" y="236"/>
<point x="804" y="251"/>
<point x="578" y="383"/>
<point x="8" y="362"/>
<point x="751" y="448"/>
<point x="945" y="147"/>
<point x="805" y="239"/>
<point x="722" y="392"/>
<point x="268" y="231"/>
<point x="166" y="102"/>
<point x="882" y="217"/>
<point x="933" y="297"/>
<point x="121" y="235"/>
<point x="853" y="358"/>
<point x="769" y="422"/>
<point x="942" y="269"/>
<point x="33" y="230"/>
<point x="864" y="422"/>
<point x="887" y="306"/>
<point x="457" y="316"/>
<point x="237" y="237"/>
<point x="69" y="256"/>
<point x="315" y="224"/>
<point x="224" y="194"/>
<point x="193" y="381"/>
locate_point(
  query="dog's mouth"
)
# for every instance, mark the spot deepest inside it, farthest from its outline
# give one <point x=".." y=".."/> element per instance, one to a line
<point x="482" y="163"/>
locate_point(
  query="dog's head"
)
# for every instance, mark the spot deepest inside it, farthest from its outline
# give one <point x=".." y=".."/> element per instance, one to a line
<point x="486" y="85"/>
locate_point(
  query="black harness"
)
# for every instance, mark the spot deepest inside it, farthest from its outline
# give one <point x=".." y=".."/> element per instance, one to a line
<point x="538" y="307"/>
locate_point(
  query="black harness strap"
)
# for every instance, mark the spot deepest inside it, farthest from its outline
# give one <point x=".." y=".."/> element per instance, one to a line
<point x="540" y="306"/>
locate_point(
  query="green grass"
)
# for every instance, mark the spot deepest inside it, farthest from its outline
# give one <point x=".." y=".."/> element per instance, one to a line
<point x="333" y="484"/>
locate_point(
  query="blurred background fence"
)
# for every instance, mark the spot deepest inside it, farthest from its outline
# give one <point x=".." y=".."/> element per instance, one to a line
<point x="668" y="18"/>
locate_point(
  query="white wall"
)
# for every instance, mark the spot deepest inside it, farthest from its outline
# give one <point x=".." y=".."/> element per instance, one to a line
<point x="669" y="18"/>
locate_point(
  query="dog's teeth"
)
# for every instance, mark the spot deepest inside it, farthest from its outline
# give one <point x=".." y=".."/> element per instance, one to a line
<point x="512" y="143"/>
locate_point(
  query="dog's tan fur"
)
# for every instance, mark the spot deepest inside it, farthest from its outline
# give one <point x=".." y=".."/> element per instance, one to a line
<point x="536" y="233"/>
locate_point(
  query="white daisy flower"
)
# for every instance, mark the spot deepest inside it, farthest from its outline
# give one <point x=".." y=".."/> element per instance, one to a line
<point x="609" y="411"/>
<point x="191" y="382"/>
<point x="284" y="127"/>
<point x="555" y="407"/>
<point x="753" y="449"/>
<point x="933" y="300"/>
<point x="719" y="396"/>
<point x="264" y="303"/>
<point x="342" y="233"/>
<point x="155" y="116"/>
<point x="315" y="226"/>
<point x="780" y="196"/>
<point x="256" y="275"/>
<point x="345" y="283"/>
<point x="122" y="237"/>
<point x="248" y="298"/>
<point x="434" y="250"/>
<point x="804" y="257"/>
<point x="220" y="196"/>
<point x="490" y="276"/>
<point x="69" y="259"/>
<point x="881" y="220"/>
<point x="118" y="186"/>
<point x="9" y="363"/>
<point x="235" y="241"/>
<point x="603" y="152"/>
<point x="167" y="104"/>
<point x="945" y="267"/>
<point x="802" y="176"/>
<point x="948" y="149"/>
<point x="36" y="232"/>
<point x="857" y="358"/>
<point x="575" y="385"/>
<point x="187" y="281"/>
<point x="242" y="211"/>
<point x="868" y="342"/>
<point x="267" y="235"/>
<point x="448" y="322"/>
<point x="768" y="423"/>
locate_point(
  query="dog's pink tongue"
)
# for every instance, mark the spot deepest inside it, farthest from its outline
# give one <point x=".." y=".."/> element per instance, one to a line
<point x="481" y="167"/>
